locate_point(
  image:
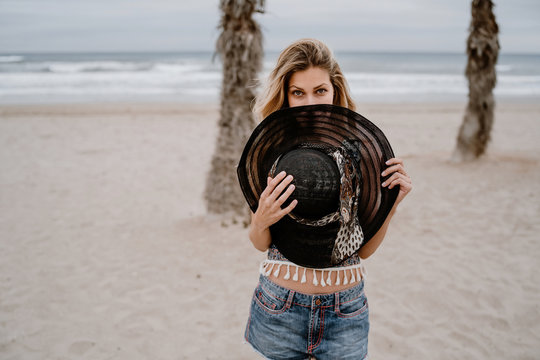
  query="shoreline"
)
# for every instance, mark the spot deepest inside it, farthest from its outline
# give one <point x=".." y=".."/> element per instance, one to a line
<point x="69" y="108"/>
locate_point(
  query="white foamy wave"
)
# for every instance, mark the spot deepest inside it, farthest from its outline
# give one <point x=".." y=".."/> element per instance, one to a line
<point x="518" y="85"/>
<point x="194" y="77"/>
<point x="11" y="59"/>
<point x="203" y="92"/>
<point x="369" y="83"/>
<point x="504" y="68"/>
<point x="363" y="84"/>
<point x="103" y="81"/>
<point x="72" y="90"/>
<point x="94" y="66"/>
<point x="518" y="80"/>
<point x="176" y="68"/>
<point x="107" y="86"/>
<point x="112" y="67"/>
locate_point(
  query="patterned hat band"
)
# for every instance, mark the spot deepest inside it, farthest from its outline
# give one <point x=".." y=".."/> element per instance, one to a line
<point x="350" y="231"/>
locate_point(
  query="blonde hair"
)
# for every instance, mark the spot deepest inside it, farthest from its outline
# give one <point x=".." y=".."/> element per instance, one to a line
<point x="301" y="55"/>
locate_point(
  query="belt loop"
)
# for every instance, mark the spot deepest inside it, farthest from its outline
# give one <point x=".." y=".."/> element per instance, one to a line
<point x="336" y="301"/>
<point x="290" y="298"/>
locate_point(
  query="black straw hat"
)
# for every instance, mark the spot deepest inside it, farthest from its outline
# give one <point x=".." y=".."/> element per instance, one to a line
<point x="336" y="157"/>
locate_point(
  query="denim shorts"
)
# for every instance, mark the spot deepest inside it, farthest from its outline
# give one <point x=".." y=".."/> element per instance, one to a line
<point x="284" y="324"/>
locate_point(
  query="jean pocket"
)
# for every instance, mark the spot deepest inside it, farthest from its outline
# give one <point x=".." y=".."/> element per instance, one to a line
<point x="271" y="303"/>
<point x="352" y="307"/>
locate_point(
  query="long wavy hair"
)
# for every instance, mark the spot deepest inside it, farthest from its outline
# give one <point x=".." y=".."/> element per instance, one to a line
<point x="299" y="56"/>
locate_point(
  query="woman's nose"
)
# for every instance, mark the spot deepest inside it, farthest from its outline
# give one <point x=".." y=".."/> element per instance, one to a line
<point x="311" y="100"/>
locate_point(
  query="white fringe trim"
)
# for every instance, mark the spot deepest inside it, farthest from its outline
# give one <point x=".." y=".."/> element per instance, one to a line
<point x="351" y="273"/>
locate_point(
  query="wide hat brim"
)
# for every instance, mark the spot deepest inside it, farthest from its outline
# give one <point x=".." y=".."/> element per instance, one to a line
<point x="329" y="126"/>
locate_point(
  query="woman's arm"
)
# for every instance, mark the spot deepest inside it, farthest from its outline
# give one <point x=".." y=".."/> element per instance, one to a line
<point x="399" y="178"/>
<point x="259" y="236"/>
<point x="377" y="239"/>
<point x="269" y="210"/>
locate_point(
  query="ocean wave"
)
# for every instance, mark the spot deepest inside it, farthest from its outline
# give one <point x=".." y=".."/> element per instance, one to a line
<point x="59" y="67"/>
<point x="367" y="83"/>
<point x="11" y="59"/>
<point x="177" y="68"/>
<point x="95" y="66"/>
<point x="199" y="80"/>
<point x="504" y="68"/>
<point x="506" y="79"/>
<point x="106" y="83"/>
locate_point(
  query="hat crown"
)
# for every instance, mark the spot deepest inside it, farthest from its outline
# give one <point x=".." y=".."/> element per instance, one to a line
<point x="317" y="181"/>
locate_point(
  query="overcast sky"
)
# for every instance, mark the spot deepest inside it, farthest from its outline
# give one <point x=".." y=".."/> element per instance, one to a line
<point x="181" y="25"/>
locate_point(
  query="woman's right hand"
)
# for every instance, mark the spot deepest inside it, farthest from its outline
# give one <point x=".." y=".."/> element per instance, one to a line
<point x="269" y="211"/>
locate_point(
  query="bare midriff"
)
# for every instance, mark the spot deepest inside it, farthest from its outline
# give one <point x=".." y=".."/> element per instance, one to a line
<point x="308" y="287"/>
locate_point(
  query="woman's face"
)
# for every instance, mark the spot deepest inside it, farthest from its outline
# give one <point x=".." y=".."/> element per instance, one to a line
<point x="309" y="87"/>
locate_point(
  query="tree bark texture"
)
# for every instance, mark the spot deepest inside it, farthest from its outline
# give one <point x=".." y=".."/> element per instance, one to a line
<point x="482" y="54"/>
<point x="240" y="48"/>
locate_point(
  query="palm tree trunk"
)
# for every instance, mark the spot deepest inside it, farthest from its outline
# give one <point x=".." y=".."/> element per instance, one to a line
<point x="482" y="52"/>
<point x="240" y="48"/>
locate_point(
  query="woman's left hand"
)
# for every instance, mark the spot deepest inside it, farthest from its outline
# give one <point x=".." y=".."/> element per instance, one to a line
<point x="399" y="177"/>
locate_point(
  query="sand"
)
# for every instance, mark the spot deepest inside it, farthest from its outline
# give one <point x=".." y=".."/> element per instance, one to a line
<point x="107" y="252"/>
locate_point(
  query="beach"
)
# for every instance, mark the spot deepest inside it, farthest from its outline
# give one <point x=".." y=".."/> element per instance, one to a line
<point x="108" y="252"/>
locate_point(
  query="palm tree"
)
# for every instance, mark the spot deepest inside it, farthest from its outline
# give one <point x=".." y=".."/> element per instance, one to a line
<point x="482" y="52"/>
<point x="240" y="49"/>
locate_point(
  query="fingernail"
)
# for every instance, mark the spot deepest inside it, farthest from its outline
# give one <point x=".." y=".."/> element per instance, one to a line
<point x="291" y="186"/>
<point x="282" y="173"/>
<point x="383" y="173"/>
<point x="387" y="162"/>
<point x="384" y="183"/>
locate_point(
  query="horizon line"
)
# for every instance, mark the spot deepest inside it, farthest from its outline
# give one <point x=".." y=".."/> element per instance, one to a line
<point x="171" y="51"/>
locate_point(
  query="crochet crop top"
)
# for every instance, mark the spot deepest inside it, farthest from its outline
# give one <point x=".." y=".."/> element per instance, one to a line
<point x="349" y="271"/>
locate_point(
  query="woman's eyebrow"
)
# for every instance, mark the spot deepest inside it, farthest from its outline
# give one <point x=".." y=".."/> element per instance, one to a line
<point x="318" y="86"/>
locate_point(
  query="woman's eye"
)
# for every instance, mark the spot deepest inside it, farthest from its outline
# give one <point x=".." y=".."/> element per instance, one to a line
<point x="321" y="91"/>
<point x="297" y="93"/>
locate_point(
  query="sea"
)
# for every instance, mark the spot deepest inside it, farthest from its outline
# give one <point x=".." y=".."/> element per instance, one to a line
<point x="195" y="77"/>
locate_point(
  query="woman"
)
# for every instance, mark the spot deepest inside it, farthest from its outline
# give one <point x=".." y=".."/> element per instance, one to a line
<point x="315" y="325"/>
